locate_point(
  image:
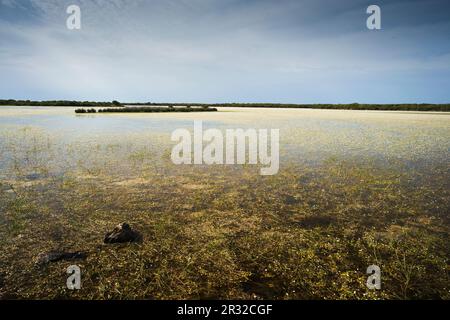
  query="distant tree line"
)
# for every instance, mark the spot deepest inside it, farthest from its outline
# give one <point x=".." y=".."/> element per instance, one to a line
<point x="58" y="103"/>
<point x="352" y="106"/>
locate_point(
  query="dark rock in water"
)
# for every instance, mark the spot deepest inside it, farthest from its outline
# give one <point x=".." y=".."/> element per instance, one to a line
<point x="121" y="234"/>
<point x="290" y="200"/>
<point x="33" y="176"/>
<point x="53" y="256"/>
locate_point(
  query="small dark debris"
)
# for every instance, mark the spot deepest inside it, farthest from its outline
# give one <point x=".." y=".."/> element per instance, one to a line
<point x="33" y="176"/>
<point x="316" y="221"/>
<point x="121" y="234"/>
<point x="263" y="288"/>
<point x="290" y="200"/>
<point x="53" y="256"/>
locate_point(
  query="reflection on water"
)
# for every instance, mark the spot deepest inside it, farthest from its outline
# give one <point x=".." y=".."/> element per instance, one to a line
<point x="55" y="137"/>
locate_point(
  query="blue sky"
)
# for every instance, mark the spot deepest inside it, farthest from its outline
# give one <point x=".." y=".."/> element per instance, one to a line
<point x="287" y="51"/>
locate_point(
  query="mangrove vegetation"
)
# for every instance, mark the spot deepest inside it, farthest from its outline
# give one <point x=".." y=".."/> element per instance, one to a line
<point x="351" y="106"/>
<point x="146" y="110"/>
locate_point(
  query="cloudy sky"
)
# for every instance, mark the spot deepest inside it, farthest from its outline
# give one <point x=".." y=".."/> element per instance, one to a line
<point x="297" y="51"/>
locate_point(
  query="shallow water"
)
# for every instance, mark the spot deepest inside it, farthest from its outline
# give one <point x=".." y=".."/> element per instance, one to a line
<point x="353" y="187"/>
<point x="305" y="135"/>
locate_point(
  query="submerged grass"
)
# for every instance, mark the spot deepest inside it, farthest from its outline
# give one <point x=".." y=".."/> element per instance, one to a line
<point x="285" y="237"/>
<point x="309" y="232"/>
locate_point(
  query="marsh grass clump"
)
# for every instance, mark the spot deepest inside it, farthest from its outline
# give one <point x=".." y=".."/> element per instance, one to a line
<point x="147" y="109"/>
<point x="92" y="110"/>
<point x="156" y="109"/>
